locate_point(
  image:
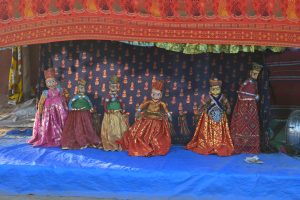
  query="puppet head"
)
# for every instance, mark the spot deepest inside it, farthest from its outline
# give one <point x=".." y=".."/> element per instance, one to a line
<point x="254" y="72"/>
<point x="114" y="84"/>
<point x="81" y="86"/>
<point x="215" y="86"/>
<point x="51" y="82"/>
<point x="157" y="88"/>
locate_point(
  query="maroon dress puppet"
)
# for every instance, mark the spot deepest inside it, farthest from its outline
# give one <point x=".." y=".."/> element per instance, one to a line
<point x="245" y="121"/>
<point x="79" y="132"/>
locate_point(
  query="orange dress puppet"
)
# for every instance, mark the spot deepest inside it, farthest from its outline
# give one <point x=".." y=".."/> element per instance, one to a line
<point x="212" y="134"/>
<point x="150" y="134"/>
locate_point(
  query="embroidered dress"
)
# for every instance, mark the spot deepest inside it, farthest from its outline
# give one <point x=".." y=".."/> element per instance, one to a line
<point x="245" y="120"/>
<point x="79" y="131"/>
<point x="48" y="127"/>
<point x="212" y="135"/>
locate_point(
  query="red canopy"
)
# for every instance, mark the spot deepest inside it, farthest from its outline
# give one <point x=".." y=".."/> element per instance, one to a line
<point x="247" y="22"/>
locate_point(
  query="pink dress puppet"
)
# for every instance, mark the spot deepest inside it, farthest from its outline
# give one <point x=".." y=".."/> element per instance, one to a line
<point x="51" y="115"/>
<point x="79" y="132"/>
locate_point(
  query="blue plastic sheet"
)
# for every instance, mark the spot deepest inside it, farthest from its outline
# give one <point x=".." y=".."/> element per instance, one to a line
<point x="179" y="175"/>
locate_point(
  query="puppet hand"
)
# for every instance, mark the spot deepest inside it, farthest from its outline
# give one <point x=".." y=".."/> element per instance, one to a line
<point x="137" y="114"/>
<point x="40" y="113"/>
<point x="169" y="116"/>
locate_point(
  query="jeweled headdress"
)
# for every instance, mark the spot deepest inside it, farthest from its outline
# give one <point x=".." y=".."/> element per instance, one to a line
<point x="215" y="82"/>
<point x="256" y="67"/>
<point x="158" y="85"/>
<point x="114" y="80"/>
<point x="49" y="73"/>
<point x="81" y="82"/>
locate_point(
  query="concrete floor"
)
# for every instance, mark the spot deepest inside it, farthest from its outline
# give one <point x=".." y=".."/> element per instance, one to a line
<point x="5" y="109"/>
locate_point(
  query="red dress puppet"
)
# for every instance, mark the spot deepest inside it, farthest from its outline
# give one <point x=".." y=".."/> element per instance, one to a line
<point x="245" y="121"/>
<point x="150" y="134"/>
<point x="212" y="135"/>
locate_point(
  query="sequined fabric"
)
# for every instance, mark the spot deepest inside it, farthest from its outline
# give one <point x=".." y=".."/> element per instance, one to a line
<point x="47" y="130"/>
<point x="79" y="132"/>
<point x="147" y="137"/>
<point x="113" y="127"/>
<point x="211" y="137"/>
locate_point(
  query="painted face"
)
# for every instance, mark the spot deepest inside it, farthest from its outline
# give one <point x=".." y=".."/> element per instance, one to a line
<point x="215" y="90"/>
<point x="156" y="95"/>
<point x="51" y="83"/>
<point x="81" y="89"/>
<point x="254" y="74"/>
<point x="113" y="88"/>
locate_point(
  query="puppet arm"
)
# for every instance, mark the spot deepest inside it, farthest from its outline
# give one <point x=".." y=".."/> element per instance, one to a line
<point x="165" y="107"/>
<point x="42" y="102"/>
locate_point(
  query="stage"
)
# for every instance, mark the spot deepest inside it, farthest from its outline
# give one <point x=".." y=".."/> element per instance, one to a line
<point x="179" y="175"/>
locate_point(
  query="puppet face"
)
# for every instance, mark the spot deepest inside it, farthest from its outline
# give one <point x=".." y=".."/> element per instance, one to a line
<point x="81" y="89"/>
<point x="254" y="74"/>
<point x="156" y="95"/>
<point x="215" y="90"/>
<point x="113" y="88"/>
<point x="51" y="83"/>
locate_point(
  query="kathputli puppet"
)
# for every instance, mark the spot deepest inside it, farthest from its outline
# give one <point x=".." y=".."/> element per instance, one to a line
<point x="79" y="132"/>
<point x="150" y="134"/>
<point x="245" y="122"/>
<point x="212" y="135"/>
<point x="114" y="122"/>
<point x="51" y="115"/>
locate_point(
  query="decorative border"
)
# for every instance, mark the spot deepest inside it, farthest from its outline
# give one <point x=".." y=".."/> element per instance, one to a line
<point x="90" y="27"/>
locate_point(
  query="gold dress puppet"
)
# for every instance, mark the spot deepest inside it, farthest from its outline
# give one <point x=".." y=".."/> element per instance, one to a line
<point x="114" y="122"/>
<point x="150" y="134"/>
<point x="212" y="135"/>
<point x="78" y="131"/>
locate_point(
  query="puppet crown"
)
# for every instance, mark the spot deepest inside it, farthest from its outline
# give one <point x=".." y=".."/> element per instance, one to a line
<point x="215" y="82"/>
<point x="49" y="73"/>
<point x="256" y="67"/>
<point x="158" y="85"/>
<point x="114" y="80"/>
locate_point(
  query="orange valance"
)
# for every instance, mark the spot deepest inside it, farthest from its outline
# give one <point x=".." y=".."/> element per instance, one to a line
<point x="247" y="22"/>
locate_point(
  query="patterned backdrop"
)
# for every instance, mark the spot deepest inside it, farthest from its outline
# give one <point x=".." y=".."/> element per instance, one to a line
<point x="186" y="76"/>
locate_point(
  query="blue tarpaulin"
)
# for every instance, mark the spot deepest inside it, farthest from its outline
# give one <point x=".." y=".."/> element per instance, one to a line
<point x="181" y="174"/>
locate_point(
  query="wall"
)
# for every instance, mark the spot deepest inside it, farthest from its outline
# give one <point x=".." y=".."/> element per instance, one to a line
<point x="5" y="60"/>
<point x="284" y="81"/>
<point x="186" y="76"/>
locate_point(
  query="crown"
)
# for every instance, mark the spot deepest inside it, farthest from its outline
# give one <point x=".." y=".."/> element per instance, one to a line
<point x="81" y="82"/>
<point x="158" y="85"/>
<point x="49" y="73"/>
<point x="215" y="82"/>
<point x="114" y="80"/>
<point x="256" y="67"/>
